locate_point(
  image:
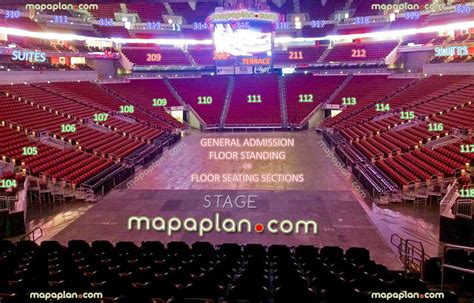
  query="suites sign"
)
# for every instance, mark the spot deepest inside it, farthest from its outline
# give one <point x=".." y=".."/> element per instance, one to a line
<point x="448" y="51"/>
<point x="31" y="56"/>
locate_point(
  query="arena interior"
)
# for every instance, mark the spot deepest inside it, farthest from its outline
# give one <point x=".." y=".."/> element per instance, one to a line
<point x="260" y="151"/>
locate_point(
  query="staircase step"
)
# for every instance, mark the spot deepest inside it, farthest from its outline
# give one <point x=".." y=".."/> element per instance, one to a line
<point x="228" y="96"/>
<point x="283" y="107"/>
<point x="339" y="89"/>
<point x="174" y="92"/>
<point x="324" y="55"/>
<point x="169" y="9"/>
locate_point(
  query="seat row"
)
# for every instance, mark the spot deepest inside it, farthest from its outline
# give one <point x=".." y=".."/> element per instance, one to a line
<point x="67" y="165"/>
<point x="249" y="273"/>
<point x="426" y="163"/>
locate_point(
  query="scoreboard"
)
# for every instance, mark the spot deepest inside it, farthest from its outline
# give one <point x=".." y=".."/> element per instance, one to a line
<point x="243" y="37"/>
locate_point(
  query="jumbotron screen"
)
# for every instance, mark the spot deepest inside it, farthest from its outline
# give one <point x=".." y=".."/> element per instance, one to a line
<point x="243" y="34"/>
<point x="243" y="38"/>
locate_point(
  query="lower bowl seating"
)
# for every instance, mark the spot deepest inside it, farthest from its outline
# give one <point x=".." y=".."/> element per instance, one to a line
<point x="153" y="272"/>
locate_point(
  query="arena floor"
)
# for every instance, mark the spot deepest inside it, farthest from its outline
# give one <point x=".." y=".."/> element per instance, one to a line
<point x="321" y="191"/>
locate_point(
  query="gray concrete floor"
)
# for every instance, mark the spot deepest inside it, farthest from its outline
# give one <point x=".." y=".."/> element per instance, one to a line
<point x="305" y="158"/>
<point x="53" y="218"/>
<point x="326" y="196"/>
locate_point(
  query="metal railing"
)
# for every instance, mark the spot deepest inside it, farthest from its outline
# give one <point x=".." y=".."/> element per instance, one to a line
<point x="283" y="102"/>
<point x="411" y="253"/>
<point x="453" y="267"/>
<point x="464" y="208"/>
<point x="4" y="205"/>
<point x="8" y="203"/>
<point x="306" y="119"/>
<point x="31" y="236"/>
<point x="227" y="100"/>
<point x="446" y="204"/>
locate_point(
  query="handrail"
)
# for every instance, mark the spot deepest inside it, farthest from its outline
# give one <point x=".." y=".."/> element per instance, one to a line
<point x="449" y="200"/>
<point x="453" y="267"/>
<point x="400" y="239"/>
<point x="201" y="120"/>
<point x="32" y="233"/>
<point x="253" y="125"/>
<point x="464" y="208"/>
<point x="306" y="119"/>
<point x="413" y="256"/>
<point x="227" y="100"/>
